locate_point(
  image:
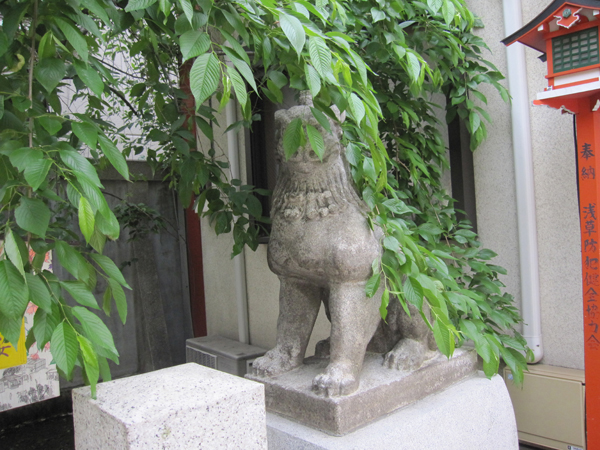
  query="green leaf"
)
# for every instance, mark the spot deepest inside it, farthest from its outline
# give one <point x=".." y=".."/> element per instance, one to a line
<point x="1" y="106"/>
<point x="3" y="43"/>
<point x="114" y="156"/>
<point x="90" y="362"/>
<point x="44" y="324"/>
<point x="69" y="258"/>
<point x="413" y="292"/>
<point x="294" y="31"/>
<point x="102" y="363"/>
<point x="292" y="136"/>
<point x="106" y="301"/>
<point x="448" y="11"/>
<point x="443" y="338"/>
<point x="414" y="66"/>
<point x="312" y="79"/>
<point x="254" y="206"/>
<point x="435" y="5"/>
<point x="194" y="43"/>
<point x="98" y="240"/>
<point x="86" y="219"/>
<point x="385" y="301"/>
<point x="80" y="292"/>
<point x="74" y="37"/>
<point x="273" y="92"/>
<point x="135" y="5"/>
<point x="12" y="250"/>
<point x="120" y="299"/>
<point x="50" y="124"/>
<point x="80" y="165"/>
<point x="391" y="243"/>
<point x="94" y="329"/>
<point x="49" y="72"/>
<point x="316" y="141"/>
<point x="36" y="172"/>
<point x="360" y="66"/>
<point x="372" y="285"/>
<point x="377" y="15"/>
<point x="238" y="85"/>
<point x="38" y="292"/>
<point x="474" y="121"/>
<point x="90" y="77"/>
<point x="33" y="215"/>
<point x="110" y="268"/>
<point x="65" y="348"/>
<point x="10" y="328"/>
<point x="94" y="196"/>
<point x="515" y="361"/>
<point x="236" y="22"/>
<point x="204" y="77"/>
<point x="188" y="9"/>
<point x="320" y="56"/>
<point x="242" y="67"/>
<point x="96" y="7"/>
<point x="86" y="132"/>
<point x="490" y="368"/>
<point x="357" y="108"/>
<point x="321" y="118"/>
<point x="14" y="294"/>
<point x="369" y="169"/>
<point x="109" y="227"/>
<point x="235" y="45"/>
<point x="22" y="157"/>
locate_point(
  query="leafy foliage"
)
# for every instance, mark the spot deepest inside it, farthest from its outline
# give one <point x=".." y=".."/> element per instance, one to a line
<point x="379" y="62"/>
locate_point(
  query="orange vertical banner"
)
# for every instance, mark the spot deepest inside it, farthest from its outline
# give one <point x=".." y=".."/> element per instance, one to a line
<point x="588" y="166"/>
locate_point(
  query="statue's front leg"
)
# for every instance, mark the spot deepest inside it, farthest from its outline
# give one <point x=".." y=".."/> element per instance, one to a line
<point x="299" y="304"/>
<point x="354" y="319"/>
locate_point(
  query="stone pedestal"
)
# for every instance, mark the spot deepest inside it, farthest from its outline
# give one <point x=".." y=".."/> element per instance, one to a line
<point x="182" y="407"/>
<point x="474" y="414"/>
<point x="381" y="391"/>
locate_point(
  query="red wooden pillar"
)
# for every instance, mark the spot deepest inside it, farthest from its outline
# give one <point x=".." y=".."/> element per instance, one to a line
<point x="192" y="222"/>
<point x="588" y="159"/>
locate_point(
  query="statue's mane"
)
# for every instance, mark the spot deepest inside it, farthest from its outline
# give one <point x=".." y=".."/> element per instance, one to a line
<point x="328" y="189"/>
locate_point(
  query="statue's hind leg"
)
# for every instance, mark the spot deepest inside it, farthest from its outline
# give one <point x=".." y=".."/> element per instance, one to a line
<point x="299" y="304"/>
<point x="414" y="349"/>
<point x="354" y="319"/>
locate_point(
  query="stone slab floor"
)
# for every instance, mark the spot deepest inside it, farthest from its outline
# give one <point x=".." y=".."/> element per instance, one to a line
<point x="57" y="434"/>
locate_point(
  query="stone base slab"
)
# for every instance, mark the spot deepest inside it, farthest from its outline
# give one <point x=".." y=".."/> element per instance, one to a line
<point x="475" y="414"/>
<point x="381" y="391"/>
<point x="182" y="407"/>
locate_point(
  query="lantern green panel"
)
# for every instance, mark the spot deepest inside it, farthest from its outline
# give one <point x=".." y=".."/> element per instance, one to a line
<point x="575" y="50"/>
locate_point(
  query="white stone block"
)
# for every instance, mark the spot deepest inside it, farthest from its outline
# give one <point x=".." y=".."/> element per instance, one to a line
<point x="475" y="414"/>
<point x="182" y="407"/>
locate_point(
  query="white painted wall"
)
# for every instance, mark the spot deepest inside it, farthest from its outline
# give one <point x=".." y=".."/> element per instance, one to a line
<point x="555" y="195"/>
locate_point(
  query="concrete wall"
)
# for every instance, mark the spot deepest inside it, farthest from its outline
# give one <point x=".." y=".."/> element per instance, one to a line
<point x="556" y="209"/>
<point x="158" y="319"/>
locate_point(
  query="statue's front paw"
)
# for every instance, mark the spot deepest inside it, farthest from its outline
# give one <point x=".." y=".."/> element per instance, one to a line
<point x="337" y="380"/>
<point x="273" y="363"/>
<point x="408" y="354"/>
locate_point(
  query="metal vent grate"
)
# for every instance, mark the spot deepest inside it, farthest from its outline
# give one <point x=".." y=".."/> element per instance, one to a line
<point x="575" y="50"/>
<point x="200" y="357"/>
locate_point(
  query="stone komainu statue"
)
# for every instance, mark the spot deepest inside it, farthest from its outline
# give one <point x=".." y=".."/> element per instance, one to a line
<point x="322" y="248"/>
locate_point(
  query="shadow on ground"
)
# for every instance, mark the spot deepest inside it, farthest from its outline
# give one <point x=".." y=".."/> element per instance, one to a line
<point x="55" y="433"/>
